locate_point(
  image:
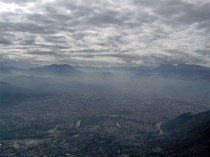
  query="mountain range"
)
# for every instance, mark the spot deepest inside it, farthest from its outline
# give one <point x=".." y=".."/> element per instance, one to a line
<point x="189" y="71"/>
<point x="62" y="69"/>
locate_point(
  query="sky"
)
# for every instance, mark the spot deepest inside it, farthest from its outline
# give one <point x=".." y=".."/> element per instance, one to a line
<point x="105" y="32"/>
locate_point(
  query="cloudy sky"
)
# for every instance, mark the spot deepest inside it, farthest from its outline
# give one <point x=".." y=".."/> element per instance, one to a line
<point x="105" y="32"/>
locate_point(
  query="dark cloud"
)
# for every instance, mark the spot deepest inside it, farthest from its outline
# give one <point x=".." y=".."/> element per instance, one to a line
<point x="55" y="39"/>
<point x="29" y="40"/>
<point x="46" y="53"/>
<point x="40" y="18"/>
<point x="25" y="27"/>
<point x="179" y="11"/>
<point x="196" y="14"/>
<point x="5" y="41"/>
<point x="205" y="52"/>
<point x="105" y="18"/>
<point x="17" y="2"/>
<point x="172" y="8"/>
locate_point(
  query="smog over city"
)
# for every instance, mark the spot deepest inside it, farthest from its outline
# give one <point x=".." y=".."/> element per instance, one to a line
<point x="105" y="78"/>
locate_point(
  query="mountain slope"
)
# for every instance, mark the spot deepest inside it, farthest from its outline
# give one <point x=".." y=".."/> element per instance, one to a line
<point x="189" y="134"/>
<point x="10" y="95"/>
<point x="4" y="69"/>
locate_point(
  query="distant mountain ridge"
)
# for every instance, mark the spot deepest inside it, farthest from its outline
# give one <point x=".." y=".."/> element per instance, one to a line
<point x="191" y="71"/>
<point x="6" y="69"/>
<point x="182" y="68"/>
<point x="178" y="70"/>
<point x="56" y="69"/>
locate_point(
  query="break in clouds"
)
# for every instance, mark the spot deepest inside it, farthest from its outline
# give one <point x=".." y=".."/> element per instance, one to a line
<point x="112" y="32"/>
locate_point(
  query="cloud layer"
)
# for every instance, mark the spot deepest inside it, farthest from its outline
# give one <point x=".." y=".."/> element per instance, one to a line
<point x="112" y="32"/>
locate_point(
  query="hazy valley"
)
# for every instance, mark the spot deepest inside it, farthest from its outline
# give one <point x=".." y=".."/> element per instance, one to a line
<point x="60" y="110"/>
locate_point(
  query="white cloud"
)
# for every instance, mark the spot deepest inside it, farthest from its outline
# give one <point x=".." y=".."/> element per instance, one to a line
<point x="106" y="31"/>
